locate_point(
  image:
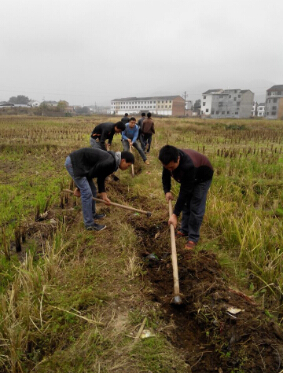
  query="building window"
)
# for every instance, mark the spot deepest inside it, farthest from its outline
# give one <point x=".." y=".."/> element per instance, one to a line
<point x="217" y="112"/>
<point x="275" y="100"/>
<point x="204" y="97"/>
<point x="236" y="113"/>
<point x="230" y="96"/>
<point x="274" y="107"/>
<point x="223" y="112"/>
<point x="207" y="110"/>
<point x="221" y="96"/>
<point x="238" y="103"/>
<point x="239" y="96"/>
<point x="235" y="98"/>
<point x="273" y="113"/>
<point x="228" y="112"/>
<point x="203" y="104"/>
<point x="212" y="111"/>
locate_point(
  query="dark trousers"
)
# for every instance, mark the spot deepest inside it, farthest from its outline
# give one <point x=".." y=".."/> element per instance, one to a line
<point x="146" y="139"/>
<point x="193" y="211"/>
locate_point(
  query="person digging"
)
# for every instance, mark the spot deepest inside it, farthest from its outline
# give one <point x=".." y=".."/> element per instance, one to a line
<point x="194" y="172"/>
<point x="84" y="165"/>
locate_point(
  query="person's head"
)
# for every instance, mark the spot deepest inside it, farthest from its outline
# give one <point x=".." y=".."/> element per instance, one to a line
<point x="148" y="115"/>
<point x="119" y="127"/>
<point x="132" y="122"/>
<point x="127" y="159"/>
<point x="169" y="156"/>
<point x="126" y="114"/>
<point x="143" y="114"/>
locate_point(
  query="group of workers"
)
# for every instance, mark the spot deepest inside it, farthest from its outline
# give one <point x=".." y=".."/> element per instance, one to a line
<point x="188" y="167"/>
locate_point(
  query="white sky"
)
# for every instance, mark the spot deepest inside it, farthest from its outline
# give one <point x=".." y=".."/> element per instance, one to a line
<point x="87" y="51"/>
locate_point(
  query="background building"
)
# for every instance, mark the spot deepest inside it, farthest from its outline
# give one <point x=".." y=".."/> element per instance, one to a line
<point x="228" y="103"/>
<point x="274" y="102"/>
<point x="160" y="105"/>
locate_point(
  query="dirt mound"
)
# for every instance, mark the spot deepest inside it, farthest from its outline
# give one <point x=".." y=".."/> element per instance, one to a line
<point x="219" y="328"/>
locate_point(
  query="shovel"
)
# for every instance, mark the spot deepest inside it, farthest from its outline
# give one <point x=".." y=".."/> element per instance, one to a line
<point x="176" y="299"/>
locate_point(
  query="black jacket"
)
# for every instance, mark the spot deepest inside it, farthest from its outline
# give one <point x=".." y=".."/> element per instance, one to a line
<point x="103" y="132"/>
<point x="193" y="169"/>
<point x="94" y="163"/>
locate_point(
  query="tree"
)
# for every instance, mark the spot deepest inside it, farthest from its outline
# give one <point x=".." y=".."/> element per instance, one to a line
<point x="19" y="100"/>
<point x="197" y="105"/>
<point x="62" y="106"/>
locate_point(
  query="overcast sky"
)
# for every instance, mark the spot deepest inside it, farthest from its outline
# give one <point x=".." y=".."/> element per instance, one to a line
<point x="92" y="51"/>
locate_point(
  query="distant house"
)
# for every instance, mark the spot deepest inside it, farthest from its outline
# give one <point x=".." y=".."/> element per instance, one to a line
<point x="228" y="103"/>
<point x="258" y="110"/>
<point x="274" y="102"/>
<point x="34" y="103"/>
<point x="160" y="105"/>
<point x="6" y="104"/>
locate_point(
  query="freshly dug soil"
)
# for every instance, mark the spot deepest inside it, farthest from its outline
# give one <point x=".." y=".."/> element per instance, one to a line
<point x="214" y="339"/>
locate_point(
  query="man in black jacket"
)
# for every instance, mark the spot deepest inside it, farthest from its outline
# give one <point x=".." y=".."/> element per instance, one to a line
<point x="194" y="172"/>
<point x="85" y="164"/>
<point x="104" y="131"/>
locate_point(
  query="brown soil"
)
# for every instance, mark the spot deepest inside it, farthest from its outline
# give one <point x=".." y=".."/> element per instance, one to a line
<point x="213" y="338"/>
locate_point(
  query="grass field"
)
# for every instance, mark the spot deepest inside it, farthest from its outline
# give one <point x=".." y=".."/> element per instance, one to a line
<point x="73" y="301"/>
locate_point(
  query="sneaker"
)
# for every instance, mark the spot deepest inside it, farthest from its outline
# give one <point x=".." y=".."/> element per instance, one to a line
<point x="96" y="227"/>
<point x="190" y="245"/>
<point x="146" y="162"/>
<point x="98" y="216"/>
<point x="181" y="234"/>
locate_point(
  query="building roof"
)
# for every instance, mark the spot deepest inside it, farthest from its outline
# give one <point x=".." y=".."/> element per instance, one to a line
<point x="276" y="88"/>
<point x="147" y="98"/>
<point x="218" y="90"/>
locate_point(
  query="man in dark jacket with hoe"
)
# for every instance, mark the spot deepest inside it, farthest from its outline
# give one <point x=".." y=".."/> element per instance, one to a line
<point x="85" y="164"/>
<point x="103" y="132"/>
<point x="194" y="172"/>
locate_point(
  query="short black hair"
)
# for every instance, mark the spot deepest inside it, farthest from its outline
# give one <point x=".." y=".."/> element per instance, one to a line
<point x="128" y="156"/>
<point x="143" y="114"/>
<point x="120" y="125"/>
<point x="148" y="115"/>
<point x="126" y="114"/>
<point x="133" y="118"/>
<point x="168" y="154"/>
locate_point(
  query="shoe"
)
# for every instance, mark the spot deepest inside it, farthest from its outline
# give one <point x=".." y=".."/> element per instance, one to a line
<point x="190" y="245"/>
<point x="98" y="216"/>
<point x="96" y="227"/>
<point x="146" y="162"/>
<point x="181" y="234"/>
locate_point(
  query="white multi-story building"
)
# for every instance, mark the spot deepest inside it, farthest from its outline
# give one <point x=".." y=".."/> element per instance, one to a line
<point x="228" y="103"/>
<point x="258" y="110"/>
<point x="160" y="105"/>
<point x="274" y="102"/>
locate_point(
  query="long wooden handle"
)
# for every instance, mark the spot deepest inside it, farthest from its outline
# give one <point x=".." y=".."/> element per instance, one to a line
<point x="148" y="213"/>
<point x="133" y="170"/>
<point x="174" y="254"/>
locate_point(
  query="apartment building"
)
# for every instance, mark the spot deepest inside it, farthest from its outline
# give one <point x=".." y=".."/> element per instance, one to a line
<point x="228" y="103"/>
<point x="160" y="105"/>
<point x="274" y="102"/>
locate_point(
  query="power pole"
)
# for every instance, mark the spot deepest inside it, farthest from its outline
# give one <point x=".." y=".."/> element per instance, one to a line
<point x="185" y="97"/>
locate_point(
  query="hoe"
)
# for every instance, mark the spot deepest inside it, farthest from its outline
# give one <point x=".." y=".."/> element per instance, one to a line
<point x="176" y="299"/>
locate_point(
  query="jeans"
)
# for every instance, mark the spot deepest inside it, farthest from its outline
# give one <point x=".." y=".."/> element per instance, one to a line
<point x="193" y="211"/>
<point x="136" y="145"/>
<point x="147" y="138"/>
<point x="88" y="190"/>
<point x="96" y="145"/>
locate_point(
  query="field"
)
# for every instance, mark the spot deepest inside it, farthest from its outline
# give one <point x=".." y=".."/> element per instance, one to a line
<point x="77" y="301"/>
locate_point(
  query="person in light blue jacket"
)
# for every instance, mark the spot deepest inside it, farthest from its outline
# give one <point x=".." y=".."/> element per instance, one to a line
<point x="130" y="138"/>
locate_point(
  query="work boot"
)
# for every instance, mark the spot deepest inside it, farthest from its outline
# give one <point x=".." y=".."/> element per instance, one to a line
<point x="98" y="216"/>
<point x="181" y="234"/>
<point x="190" y="245"/>
<point x="96" y="227"/>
